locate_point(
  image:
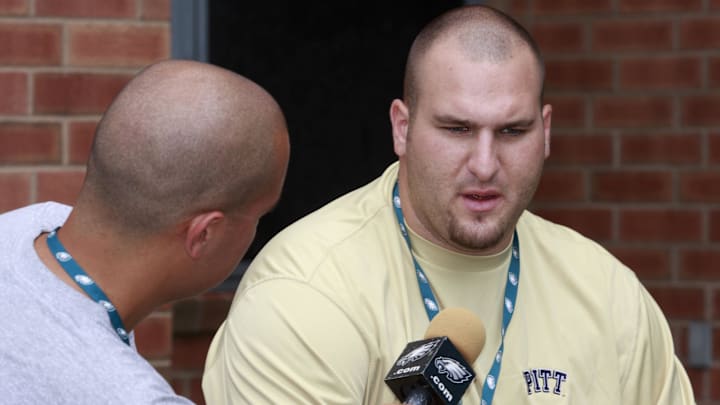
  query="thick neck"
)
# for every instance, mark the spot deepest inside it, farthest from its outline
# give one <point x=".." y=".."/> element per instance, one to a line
<point x="120" y="271"/>
<point x="451" y="260"/>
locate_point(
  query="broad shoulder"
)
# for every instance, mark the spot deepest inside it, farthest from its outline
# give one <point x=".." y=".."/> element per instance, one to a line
<point x="567" y="253"/>
<point x="35" y="218"/>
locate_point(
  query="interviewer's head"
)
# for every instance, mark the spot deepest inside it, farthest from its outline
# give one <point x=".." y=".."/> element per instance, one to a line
<point x="183" y="147"/>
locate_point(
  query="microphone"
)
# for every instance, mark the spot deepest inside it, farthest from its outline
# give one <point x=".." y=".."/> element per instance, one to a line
<point x="438" y="369"/>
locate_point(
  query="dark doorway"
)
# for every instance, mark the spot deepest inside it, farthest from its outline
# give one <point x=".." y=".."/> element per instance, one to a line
<point x="334" y="68"/>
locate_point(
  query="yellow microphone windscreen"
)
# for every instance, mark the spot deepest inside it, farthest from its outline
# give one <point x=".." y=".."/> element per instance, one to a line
<point x="464" y="329"/>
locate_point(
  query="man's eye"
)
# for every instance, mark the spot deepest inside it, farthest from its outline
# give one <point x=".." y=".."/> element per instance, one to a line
<point x="512" y="131"/>
<point x="458" y="130"/>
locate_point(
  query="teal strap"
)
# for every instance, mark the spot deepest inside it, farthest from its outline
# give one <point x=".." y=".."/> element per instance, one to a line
<point x="432" y="307"/>
<point x="81" y="278"/>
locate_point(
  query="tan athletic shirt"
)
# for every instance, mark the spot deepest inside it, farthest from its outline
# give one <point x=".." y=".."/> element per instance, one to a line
<point x="328" y="305"/>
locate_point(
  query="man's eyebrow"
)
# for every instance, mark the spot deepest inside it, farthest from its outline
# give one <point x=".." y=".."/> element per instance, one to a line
<point x="449" y="119"/>
<point x="519" y="123"/>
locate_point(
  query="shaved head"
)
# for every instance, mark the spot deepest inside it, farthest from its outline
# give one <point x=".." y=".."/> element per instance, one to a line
<point x="182" y="138"/>
<point x="481" y="33"/>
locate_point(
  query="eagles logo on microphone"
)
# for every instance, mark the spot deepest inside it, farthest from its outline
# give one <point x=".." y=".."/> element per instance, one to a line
<point x="417" y="354"/>
<point x="433" y="363"/>
<point x="455" y="371"/>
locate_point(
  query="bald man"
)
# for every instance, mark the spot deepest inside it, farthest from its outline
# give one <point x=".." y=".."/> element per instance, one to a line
<point x="184" y="163"/>
<point x="326" y="308"/>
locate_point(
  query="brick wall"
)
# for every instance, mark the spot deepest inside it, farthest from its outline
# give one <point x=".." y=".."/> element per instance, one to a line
<point x="635" y="153"/>
<point x="61" y="63"/>
<point x="635" y="161"/>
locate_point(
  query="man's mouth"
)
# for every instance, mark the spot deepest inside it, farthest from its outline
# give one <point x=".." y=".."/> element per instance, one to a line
<point x="483" y="201"/>
<point x="482" y="197"/>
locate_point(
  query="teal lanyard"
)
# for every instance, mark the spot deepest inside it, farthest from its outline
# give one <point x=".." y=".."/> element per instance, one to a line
<point x="432" y="308"/>
<point x="81" y="278"/>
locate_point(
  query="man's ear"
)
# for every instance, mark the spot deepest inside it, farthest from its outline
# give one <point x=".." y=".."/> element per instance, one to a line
<point x="547" y="121"/>
<point x="400" y="121"/>
<point x="202" y="229"/>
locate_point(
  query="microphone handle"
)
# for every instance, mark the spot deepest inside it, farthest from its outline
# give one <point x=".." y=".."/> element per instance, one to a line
<point x="419" y="396"/>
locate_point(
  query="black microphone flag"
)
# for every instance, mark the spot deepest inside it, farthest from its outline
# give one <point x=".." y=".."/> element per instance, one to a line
<point x="430" y="371"/>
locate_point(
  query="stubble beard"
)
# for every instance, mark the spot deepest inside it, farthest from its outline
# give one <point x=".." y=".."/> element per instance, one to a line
<point x="484" y="234"/>
<point x="477" y="236"/>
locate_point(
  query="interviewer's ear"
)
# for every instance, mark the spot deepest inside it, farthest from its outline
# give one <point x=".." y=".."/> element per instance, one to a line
<point x="202" y="230"/>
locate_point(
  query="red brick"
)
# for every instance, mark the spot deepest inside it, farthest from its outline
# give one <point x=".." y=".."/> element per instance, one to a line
<point x="697" y="380"/>
<point x="559" y="37"/>
<point x="700" y="264"/>
<point x="680" y="340"/>
<point x="626" y="111"/>
<point x="188" y="384"/>
<point x="29" y="143"/>
<point x="14" y="90"/>
<point x="81" y="137"/>
<point x="679" y="331"/>
<point x="660" y="73"/>
<point x="581" y="149"/>
<point x="118" y="44"/>
<point x="714" y="384"/>
<point x="162" y="368"/>
<point x="59" y="186"/>
<point x="14" y="191"/>
<point x="568" y="111"/>
<point x="700" y="33"/>
<point x="632" y="35"/>
<point x="700" y="186"/>
<point x="196" y="394"/>
<point x="660" y="148"/>
<point x="647" y="263"/>
<point x="572" y="6"/>
<point x="715" y="4"/>
<point x="201" y="314"/>
<point x="701" y="110"/>
<point x="85" y="8"/>
<point x="591" y="222"/>
<point x="714" y="72"/>
<point x="660" y="225"/>
<point x="516" y="7"/>
<point x="579" y="74"/>
<point x="561" y="185"/>
<point x="660" y="5"/>
<point x="156" y="10"/>
<point x="179" y="385"/>
<point x="76" y="93"/>
<point x="189" y="351"/>
<point x="714" y="153"/>
<point x="680" y="303"/>
<point x="30" y="44"/>
<point x="632" y="186"/>
<point x="715" y="226"/>
<point x="153" y="336"/>
<point x="214" y="312"/>
<point x="13" y="7"/>
<point x="187" y="315"/>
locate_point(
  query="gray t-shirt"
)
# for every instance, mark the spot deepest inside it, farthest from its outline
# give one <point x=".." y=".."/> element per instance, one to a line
<point x="57" y="345"/>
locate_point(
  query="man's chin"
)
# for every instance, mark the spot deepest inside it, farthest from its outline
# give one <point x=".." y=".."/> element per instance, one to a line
<point x="483" y="240"/>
